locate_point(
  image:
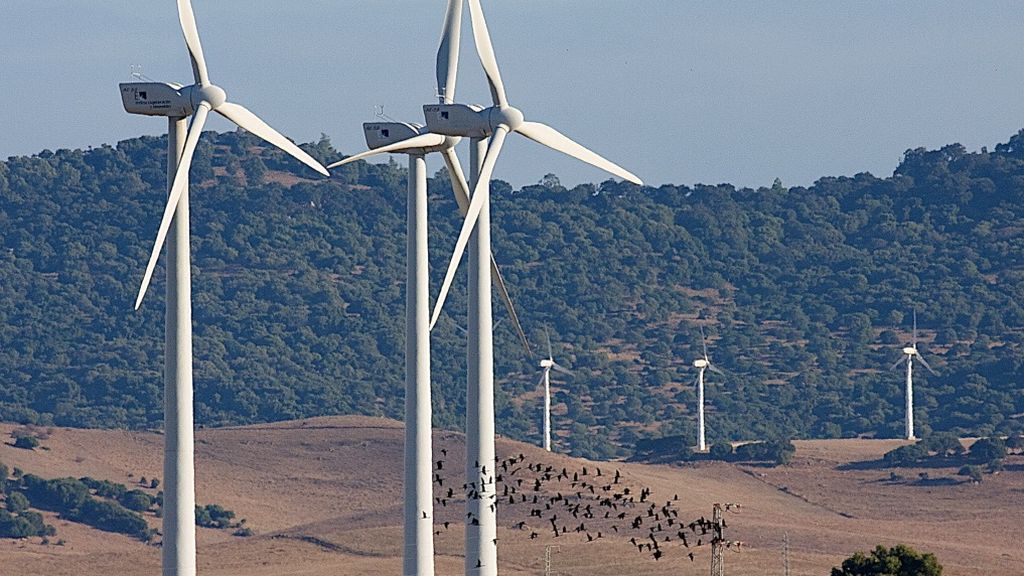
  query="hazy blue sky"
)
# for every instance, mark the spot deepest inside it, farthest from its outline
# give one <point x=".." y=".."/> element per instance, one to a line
<point x="678" y="92"/>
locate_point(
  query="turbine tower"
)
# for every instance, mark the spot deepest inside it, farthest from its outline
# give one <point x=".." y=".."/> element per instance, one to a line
<point x="547" y="365"/>
<point x="702" y="364"/>
<point x="178" y="102"/>
<point x="480" y="124"/>
<point x="414" y="141"/>
<point x="911" y="352"/>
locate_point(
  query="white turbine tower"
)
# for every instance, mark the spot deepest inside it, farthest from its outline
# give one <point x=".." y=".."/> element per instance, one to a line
<point x="911" y="352"/>
<point x="702" y="364"/>
<point x="547" y="365"/>
<point x="414" y="141"/>
<point x="479" y="124"/>
<point x="177" y="102"/>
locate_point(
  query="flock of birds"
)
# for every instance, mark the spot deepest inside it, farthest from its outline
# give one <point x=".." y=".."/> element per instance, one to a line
<point x="587" y="503"/>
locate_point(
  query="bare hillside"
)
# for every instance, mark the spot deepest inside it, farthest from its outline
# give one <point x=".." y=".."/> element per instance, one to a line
<point x="323" y="497"/>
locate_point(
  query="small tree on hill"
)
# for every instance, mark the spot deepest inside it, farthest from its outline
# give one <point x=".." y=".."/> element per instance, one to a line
<point x="900" y="560"/>
<point x="721" y="451"/>
<point x="986" y="450"/>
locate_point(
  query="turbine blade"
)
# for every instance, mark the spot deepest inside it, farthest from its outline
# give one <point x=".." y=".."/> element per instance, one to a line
<point x="559" y="368"/>
<point x="548" y="136"/>
<point x="485" y="50"/>
<point x="422" y="141"/>
<point x="925" y="364"/>
<point x="480" y="195"/>
<point x="914" y="337"/>
<point x="459" y="185"/>
<point x="715" y="369"/>
<point x="547" y="338"/>
<point x="461" y="190"/>
<point x="897" y="364"/>
<point x="246" y="119"/>
<point x="542" y="374"/>
<point x="704" y="343"/>
<point x="195" y="49"/>
<point x="177" y="189"/>
<point x="499" y="283"/>
<point x="448" y="51"/>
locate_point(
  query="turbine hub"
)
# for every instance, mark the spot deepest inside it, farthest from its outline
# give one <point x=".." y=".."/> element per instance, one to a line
<point x="547" y="363"/>
<point x="910" y="351"/>
<point x="211" y="94"/>
<point x="508" y="116"/>
<point x="700" y="363"/>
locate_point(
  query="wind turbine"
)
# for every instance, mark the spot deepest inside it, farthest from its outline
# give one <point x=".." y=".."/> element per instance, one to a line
<point x="177" y="102"/>
<point x="487" y="129"/>
<point x="702" y="364"/>
<point x="414" y="141"/>
<point x="911" y="352"/>
<point x="547" y="365"/>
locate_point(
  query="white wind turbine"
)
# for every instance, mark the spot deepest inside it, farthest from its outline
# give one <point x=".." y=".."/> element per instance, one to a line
<point x="480" y="124"/>
<point x="702" y="364"/>
<point x="414" y="141"/>
<point x="177" y="102"/>
<point x="547" y="365"/>
<point x="911" y="352"/>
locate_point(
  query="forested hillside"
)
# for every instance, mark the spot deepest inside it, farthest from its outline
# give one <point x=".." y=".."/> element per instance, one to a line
<point x="806" y="294"/>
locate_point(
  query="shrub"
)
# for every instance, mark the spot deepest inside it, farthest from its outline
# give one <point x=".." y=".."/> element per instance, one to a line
<point x="112" y="517"/>
<point x="213" y="516"/>
<point x="721" y="451"/>
<point x="943" y="444"/>
<point x="136" y="500"/>
<point x="26" y="442"/>
<point x="16" y="502"/>
<point x="60" y="494"/>
<point x="898" y="561"/>
<point x="905" y="456"/>
<point x="987" y="450"/>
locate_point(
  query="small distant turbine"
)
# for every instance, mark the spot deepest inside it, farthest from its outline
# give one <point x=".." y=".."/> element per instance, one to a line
<point x="911" y="352"/>
<point x="702" y="364"/>
<point x="547" y="365"/>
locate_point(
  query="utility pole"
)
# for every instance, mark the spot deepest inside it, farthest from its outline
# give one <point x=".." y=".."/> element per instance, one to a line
<point x="717" y="542"/>
<point x="547" y="559"/>
<point x="785" y="553"/>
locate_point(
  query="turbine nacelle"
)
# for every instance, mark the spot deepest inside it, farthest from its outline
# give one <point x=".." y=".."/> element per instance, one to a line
<point x="701" y="363"/>
<point x="157" y="99"/>
<point x="380" y="134"/>
<point x="547" y="363"/>
<point x="457" y="120"/>
<point x="469" y="120"/>
<point x="910" y="351"/>
<point x="169" y="99"/>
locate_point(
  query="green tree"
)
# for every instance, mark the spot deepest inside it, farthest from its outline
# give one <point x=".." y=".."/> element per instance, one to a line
<point x="721" y="451"/>
<point x="900" y="560"/>
<point x="16" y="502"/>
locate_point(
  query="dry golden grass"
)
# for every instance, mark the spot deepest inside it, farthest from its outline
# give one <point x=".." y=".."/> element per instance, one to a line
<point x="324" y="498"/>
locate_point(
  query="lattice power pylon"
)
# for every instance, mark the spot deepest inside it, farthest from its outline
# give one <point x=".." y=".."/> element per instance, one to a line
<point x="717" y="542"/>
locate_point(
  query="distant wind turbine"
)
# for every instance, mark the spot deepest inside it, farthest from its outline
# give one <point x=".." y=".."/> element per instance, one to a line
<point x="547" y="365"/>
<point x="702" y="364"/>
<point x="911" y="352"/>
<point x="177" y="103"/>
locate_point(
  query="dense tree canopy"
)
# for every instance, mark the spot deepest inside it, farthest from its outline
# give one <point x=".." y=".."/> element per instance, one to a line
<point x="299" y="295"/>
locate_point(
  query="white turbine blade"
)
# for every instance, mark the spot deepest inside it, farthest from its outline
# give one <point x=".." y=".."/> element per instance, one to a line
<point x="486" y="51"/>
<point x="461" y="190"/>
<point x="715" y="369"/>
<point x="897" y="364"/>
<point x="914" y="333"/>
<point x="448" y="51"/>
<point x="704" y="343"/>
<point x="547" y="338"/>
<point x="421" y="141"/>
<point x="246" y="119"/>
<point x="925" y="364"/>
<point x="499" y="283"/>
<point x="195" y="49"/>
<point x="548" y="136"/>
<point x="476" y="204"/>
<point x="177" y="189"/>
<point x="542" y="375"/>
<point x="459" y="185"/>
<point x="559" y="368"/>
